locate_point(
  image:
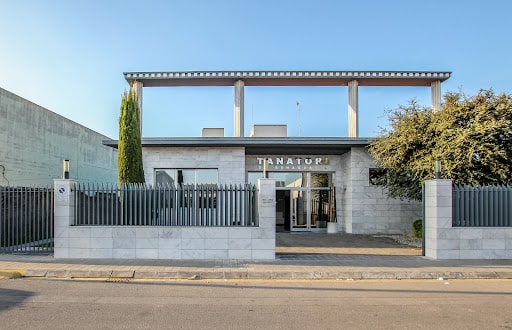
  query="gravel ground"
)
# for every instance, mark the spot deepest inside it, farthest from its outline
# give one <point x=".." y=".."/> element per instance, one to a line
<point x="408" y="240"/>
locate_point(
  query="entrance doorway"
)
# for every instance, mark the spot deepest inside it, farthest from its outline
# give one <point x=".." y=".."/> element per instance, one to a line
<point x="303" y="209"/>
<point x="305" y="201"/>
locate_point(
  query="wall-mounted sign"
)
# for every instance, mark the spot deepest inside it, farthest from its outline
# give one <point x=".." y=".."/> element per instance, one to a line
<point x="62" y="193"/>
<point x="287" y="163"/>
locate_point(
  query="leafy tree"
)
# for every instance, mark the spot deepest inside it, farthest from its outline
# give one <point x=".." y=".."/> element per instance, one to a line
<point x="472" y="136"/>
<point x="129" y="163"/>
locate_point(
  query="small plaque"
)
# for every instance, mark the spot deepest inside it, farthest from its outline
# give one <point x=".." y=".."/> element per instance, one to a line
<point x="62" y="193"/>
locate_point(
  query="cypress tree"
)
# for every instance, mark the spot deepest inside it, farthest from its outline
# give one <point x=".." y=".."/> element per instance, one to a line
<point x="129" y="157"/>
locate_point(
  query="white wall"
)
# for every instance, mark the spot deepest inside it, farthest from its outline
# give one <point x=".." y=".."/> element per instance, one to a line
<point x="361" y="208"/>
<point x="34" y="141"/>
<point x="366" y="208"/>
<point x="163" y="242"/>
<point x="442" y="241"/>
<point x="229" y="161"/>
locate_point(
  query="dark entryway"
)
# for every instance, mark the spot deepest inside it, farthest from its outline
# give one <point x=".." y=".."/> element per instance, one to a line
<point x="282" y="210"/>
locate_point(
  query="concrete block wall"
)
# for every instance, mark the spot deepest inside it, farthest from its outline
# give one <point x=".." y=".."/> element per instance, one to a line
<point x="442" y="241"/>
<point x="367" y="208"/>
<point x="229" y="161"/>
<point x="34" y="142"/>
<point x="141" y="242"/>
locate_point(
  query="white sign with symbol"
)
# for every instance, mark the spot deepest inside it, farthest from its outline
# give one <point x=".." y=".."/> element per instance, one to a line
<point x="62" y="193"/>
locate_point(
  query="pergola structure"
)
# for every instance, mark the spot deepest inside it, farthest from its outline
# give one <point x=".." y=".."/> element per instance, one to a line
<point x="240" y="79"/>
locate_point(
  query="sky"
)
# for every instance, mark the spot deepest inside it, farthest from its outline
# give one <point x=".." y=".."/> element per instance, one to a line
<point x="69" y="57"/>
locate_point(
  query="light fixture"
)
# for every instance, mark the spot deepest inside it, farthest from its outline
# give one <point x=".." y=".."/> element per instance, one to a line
<point x="65" y="169"/>
<point x="438" y="169"/>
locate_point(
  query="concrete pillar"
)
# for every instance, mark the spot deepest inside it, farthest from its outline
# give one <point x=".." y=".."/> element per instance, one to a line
<point x="438" y="219"/>
<point x="137" y="88"/>
<point x="436" y="95"/>
<point x="353" y="124"/>
<point x="64" y="207"/>
<point x="266" y="231"/>
<point x="239" y="108"/>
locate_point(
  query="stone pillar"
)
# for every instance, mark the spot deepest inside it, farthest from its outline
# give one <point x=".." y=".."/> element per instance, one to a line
<point x="353" y="124"/>
<point x="64" y="207"/>
<point x="436" y="95"/>
<point x="438" y="220"/>
<point x="266" y="230"/>
<point x="137" y="88"/>
<point x="239" y="108"/>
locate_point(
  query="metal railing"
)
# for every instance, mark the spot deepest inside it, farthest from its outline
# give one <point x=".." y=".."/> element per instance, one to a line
<point x="489" y="206"/>
<point x="165" y="205"/>
<point x="26" y="219"/>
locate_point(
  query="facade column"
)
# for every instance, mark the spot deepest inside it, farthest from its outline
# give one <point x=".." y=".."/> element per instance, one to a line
<point x="137" y="88"/>
<point x="353" y="108"/>
<point x="439" y="242"/>
<point x="239" y="108"/>
<point x="436" y="95"/>
<point x="64" y="212"/>
<point x="266" y="231"/>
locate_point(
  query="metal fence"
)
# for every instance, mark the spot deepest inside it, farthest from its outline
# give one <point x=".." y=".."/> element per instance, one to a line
<point x="26" y="219"/>
<point x="165" y="205"/>
<point x="489" y="206"/>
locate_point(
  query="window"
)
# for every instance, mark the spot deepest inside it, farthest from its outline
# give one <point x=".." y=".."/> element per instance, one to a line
<point x="377" y="176"/>
<point x="187" y="176"/>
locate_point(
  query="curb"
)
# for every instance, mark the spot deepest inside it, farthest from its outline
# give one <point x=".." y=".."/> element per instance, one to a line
<point x="11" y="274"/>
<point x="250" y="275"/>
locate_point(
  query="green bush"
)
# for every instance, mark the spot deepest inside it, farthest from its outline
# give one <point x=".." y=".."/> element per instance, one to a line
<point x="417" y="228"/>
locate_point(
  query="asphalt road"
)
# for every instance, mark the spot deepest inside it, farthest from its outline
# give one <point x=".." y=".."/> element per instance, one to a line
<point x="386" y="304"/>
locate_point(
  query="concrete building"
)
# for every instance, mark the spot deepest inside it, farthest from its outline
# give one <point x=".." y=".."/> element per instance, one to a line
<point x="34" y="141"/>
<point x="318" y="180"/>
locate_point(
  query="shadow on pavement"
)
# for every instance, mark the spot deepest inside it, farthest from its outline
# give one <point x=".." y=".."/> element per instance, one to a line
<point x="11" y="298"/>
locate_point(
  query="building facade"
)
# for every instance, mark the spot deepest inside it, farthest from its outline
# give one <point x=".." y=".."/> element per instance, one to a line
<point x="34" y="141"/>
<point x="318" y="180"/>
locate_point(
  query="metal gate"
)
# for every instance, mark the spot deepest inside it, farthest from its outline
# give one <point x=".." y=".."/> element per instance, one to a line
<point x="482" y="206"/>
<point x="165" y="205"/>
<point x="26" y="219"/>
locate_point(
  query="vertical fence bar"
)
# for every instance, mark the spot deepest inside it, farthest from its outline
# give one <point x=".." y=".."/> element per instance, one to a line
<point x="508" y="205"/>
<point x="2" y="218"/>
<point x="18" y="213"/>
<point x="220" y="206"/>
<point x="21" y="239"/>
<point x="49" y="221"/>
<point x="501" y="204"/>
<point x="77" y="206"/>
<point x="10" y="212"/>
<point x="455" y="211"/>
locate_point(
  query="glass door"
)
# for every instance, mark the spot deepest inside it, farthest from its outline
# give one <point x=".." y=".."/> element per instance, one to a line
<point x="300" y="219"/>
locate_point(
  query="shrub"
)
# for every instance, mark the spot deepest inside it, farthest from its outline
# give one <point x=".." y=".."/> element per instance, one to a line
<point x="417" y="228"/>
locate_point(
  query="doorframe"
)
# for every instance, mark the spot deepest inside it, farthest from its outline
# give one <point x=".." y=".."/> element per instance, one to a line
<point x="307" y="198"/>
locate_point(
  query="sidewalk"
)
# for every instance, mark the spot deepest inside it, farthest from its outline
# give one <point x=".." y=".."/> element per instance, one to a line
<point x="299" y="257"/>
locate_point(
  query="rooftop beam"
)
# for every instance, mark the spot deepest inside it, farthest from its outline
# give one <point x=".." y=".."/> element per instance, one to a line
<point x="287" y="78"/>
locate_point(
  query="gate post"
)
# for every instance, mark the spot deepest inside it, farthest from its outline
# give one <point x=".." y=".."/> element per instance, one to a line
<point x="264" y="237"/>
<point x="438" y="220"/>
<point x="64" y="208"/>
